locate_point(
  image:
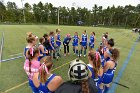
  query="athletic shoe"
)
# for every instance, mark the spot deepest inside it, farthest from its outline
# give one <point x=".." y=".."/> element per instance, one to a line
<point x="84" y="55"/>
<point x="64" y="55"/>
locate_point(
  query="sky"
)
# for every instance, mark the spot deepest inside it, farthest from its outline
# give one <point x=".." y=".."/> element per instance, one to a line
<point x="80" y="3"/>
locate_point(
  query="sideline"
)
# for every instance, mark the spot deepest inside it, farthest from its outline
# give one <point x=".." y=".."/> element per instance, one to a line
<point x="13" y="58"/>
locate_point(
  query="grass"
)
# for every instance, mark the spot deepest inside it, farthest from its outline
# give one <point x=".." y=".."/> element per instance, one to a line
<point x="12" y="72"/>
<point x="131" y="74"/>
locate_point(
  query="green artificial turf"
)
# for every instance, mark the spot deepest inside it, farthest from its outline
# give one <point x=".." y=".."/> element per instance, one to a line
<point x="12" y="73"/>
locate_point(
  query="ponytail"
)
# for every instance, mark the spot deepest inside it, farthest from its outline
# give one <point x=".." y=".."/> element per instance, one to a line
<point x="30" y="65"/>
<point x="44" y="71"/>
<point x="95" y="58"/>
<point x="31" y="54"/>
<point x="96" y="63"/>
<point x="85" y="86"/>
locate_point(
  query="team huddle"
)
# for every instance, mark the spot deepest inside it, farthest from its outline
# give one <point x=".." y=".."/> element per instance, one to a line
<point x="94" y="77"/>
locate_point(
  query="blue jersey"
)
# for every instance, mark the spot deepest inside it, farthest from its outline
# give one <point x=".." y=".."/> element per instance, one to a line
<point x="108" y="75"/>
<point x="25" y="50"/>
<point x="52" y="41"/>
<point x="92" y="71"/>
<point x="84" y="40"/>
<point x="91" y="42"/>
<point x="58" y="40"/>
<point x="66" y="40"/>
<point x="75" y="40"/>
<point x="102" y="60"/>
<point x="44" y="87"/>
<point x="34" y="89"/>
<point x="43" y="54"/>
<point x="91" y="39"/>
<point x="98" y="79"/>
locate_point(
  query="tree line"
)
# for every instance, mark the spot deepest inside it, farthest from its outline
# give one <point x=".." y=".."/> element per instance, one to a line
<point x="47" y="13"/>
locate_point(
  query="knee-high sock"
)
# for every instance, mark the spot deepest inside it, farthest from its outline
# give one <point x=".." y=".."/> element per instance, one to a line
<point x="81" y="51"/>
<point x="73" y="50"/>
<point x="76" y="52"/>
<point x="84" y="51"/>
<point x="106" y="89"/>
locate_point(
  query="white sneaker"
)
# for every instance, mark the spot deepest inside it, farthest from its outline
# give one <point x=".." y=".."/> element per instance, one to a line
<point x="84" y="55"/>
<point x="80" y="55"/>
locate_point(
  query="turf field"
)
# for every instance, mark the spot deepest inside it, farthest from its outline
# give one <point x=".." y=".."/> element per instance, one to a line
<point x="13" y="78"/>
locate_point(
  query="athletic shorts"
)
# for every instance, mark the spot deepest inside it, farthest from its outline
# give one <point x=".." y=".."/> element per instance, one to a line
<point x="107" y="78"/>
<point x="74" y="44"/>
<point x="91" y="45"/>
<point x="84" y="44"/>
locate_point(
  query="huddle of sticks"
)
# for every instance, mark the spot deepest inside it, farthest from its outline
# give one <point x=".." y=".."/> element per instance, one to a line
<point x="94" y="77"/>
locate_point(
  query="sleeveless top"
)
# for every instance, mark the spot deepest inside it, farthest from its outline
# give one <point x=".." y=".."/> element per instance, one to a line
<point x="75" y="39"/>
<point x="44" y="87"/>
<point x="44" y="54"/>
<point x="84" y="38"/>
<point x="58" y="41"/>
<point x="25" y="50"/>
<point x="109" y="75"/>
<point x="91" y="39"/>
<point x="111" y="70"/>
<point x="52" y="41"/>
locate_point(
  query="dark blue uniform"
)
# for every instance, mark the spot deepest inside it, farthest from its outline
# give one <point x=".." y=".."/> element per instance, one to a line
<point x="66" y="40"/>
<point x="75" y="40"/>
<point x="34" y="89"/>
<point x="58" y="41"/>
<point x="43" y="88"/>
<point x="52" y="43"/>
<point x="66" y="44"/>
<point x="108" y="75"/>
<point x="44" y="54"/>
<point x="84" y="40"/>
<point x="91" y="43"/>
<point x="84" y="44"/>
<point x="98" y="79"/>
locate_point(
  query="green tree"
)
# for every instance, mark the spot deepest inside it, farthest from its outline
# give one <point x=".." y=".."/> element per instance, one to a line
<point x="38" y="11"/>
<point x="2" y="11"/>
<point x="137" y="22"/>
<point x="13" y="14"/>
<point x="95" y="10"/>
<point x="28" y="13"/>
